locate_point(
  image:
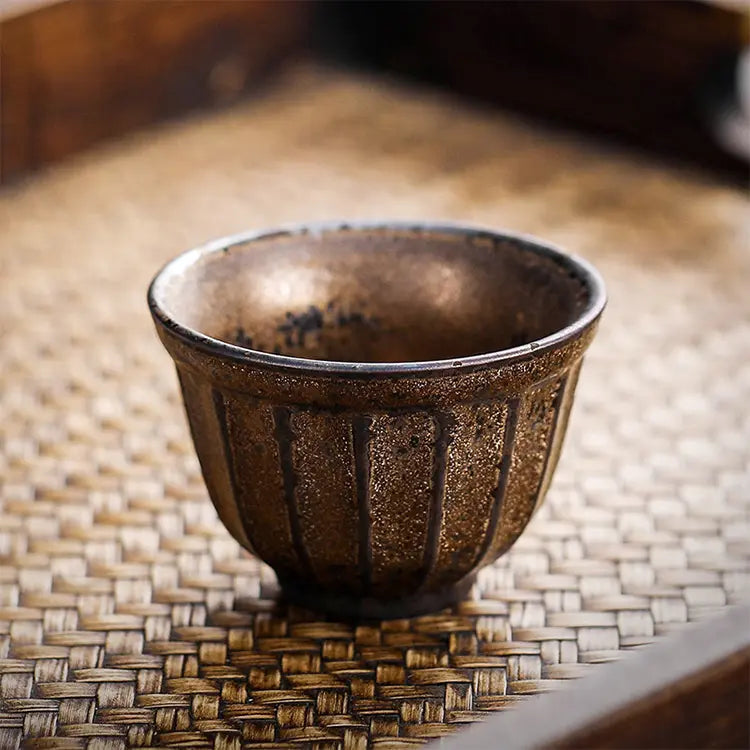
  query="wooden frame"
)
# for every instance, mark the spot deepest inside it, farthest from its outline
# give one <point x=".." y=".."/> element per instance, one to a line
<point x="690" y="690"/>
<point x="73" y="72"/>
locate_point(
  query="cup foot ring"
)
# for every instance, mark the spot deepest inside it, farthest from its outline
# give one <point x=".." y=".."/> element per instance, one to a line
<point x="363" y="607"/>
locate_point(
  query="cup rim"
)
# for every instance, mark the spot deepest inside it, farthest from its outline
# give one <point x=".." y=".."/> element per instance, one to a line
<point x="585" y="271"/>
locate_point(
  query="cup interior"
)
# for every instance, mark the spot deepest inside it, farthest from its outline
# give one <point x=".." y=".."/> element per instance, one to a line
<point x="379" y="294"/>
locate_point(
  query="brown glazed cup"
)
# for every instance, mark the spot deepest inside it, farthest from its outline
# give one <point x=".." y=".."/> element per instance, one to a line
<point x="377" y="409"/>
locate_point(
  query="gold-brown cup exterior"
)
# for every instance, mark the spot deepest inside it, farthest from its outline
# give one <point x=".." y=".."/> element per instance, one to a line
<point x="377" y="492"/>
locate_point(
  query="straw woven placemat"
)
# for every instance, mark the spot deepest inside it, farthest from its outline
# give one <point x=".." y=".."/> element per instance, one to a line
<point x="127" y="614"/>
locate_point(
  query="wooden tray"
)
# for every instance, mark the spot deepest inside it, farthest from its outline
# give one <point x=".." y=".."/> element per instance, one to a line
<point x="128" y="616"/>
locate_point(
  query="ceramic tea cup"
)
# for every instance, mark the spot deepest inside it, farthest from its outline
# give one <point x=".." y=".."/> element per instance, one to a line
<point x="377" y="409"/>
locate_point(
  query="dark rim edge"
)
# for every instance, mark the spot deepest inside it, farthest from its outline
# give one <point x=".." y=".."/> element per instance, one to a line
<point x="584" y="270"/>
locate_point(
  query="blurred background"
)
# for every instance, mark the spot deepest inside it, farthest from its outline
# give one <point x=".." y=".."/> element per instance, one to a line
<point x="669" y="77"/>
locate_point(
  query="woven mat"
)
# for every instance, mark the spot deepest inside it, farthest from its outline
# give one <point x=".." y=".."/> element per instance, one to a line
<point x="129" y="617"/>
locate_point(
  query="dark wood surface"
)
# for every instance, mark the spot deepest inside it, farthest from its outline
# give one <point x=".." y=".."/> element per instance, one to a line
<point x="707" y="709"/>
<point x="689" y="691"/>
<point x="78" y="71"/>
<point x="650" y="73"/>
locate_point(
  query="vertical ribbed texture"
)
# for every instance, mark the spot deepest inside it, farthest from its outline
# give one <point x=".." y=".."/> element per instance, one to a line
<point x="565" y="405"/>
<point x="361" y="447"/>
<point x="254" y="462"/>
<point x="551" y="437"/>
<point x="284" y="438"/>
<point x="531" y="451"/>
<point x="402" y="448"/>
<point x="443" y="425"/>
<point x="209" y="436"/>
<point x="370" y="502"/>
<point x="325" y="494"/>
<point x="510" y="423"/>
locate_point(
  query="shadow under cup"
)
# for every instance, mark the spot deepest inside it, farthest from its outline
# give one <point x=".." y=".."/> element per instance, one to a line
<point x="377" y="410"/>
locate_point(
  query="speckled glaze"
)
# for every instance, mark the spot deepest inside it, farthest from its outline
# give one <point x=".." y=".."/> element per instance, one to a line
<point x="377" y="488"/>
